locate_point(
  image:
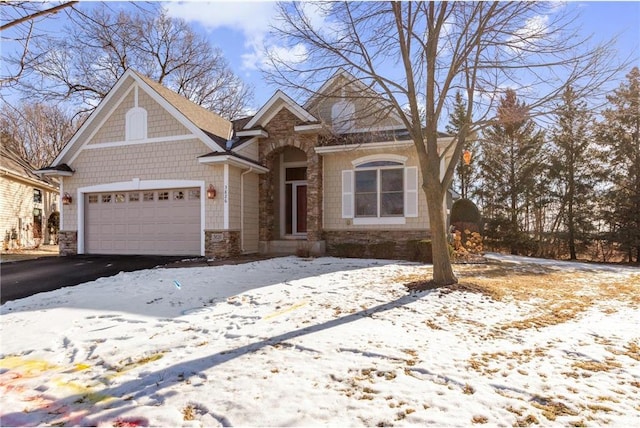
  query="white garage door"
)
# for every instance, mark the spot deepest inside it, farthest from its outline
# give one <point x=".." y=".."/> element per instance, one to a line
<point x="163" y="222"/>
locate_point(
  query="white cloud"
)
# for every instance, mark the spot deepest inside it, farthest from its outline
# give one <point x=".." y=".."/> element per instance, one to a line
<point x="534" y="29"/>
<point x="253" y="20"/>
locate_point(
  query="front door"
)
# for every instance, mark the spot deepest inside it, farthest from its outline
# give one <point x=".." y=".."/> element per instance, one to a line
<point x="296" y="208"/>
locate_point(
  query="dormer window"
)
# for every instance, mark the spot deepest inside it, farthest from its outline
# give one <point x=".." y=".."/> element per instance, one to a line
<point x="343" y="116"/>
<point x="136" y="124"/>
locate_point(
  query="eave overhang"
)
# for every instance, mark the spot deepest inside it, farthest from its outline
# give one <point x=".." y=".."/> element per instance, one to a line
<point x="336" y="148"/>
<point x="232" y="160"/>
<point x="308" y="129"/>
<point x="55" y="171"/>
<point x="253" y="133"/>
<point x="29" y="181"/>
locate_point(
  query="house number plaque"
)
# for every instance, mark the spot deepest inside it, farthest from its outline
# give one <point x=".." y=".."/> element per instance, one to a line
<point x="217" y="237"/>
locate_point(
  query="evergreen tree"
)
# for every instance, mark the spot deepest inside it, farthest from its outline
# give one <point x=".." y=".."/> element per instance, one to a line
<point x="511" y="162"/>
<point x="574" y="170"/>
<point x="619" y="132"/>
<point x="466" y="174"/>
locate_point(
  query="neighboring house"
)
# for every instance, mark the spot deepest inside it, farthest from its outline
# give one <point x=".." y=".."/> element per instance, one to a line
<point x="26" y="201"/>
<point x="149" y="172"/>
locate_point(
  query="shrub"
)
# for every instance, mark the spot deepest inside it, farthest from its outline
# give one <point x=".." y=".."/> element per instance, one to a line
<point x="53" y="222"/>
<point x="420" y="250"/>
<point x="383" y="250"/>
<point x="464" y="210"/>
<point x="349" y="249"/>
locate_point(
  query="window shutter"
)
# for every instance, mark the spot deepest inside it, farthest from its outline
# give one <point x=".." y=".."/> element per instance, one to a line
<point x="347" y="194"/>
<point x="411" y="191"/>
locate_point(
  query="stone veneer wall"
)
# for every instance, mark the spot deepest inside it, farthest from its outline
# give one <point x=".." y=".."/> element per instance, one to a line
<point x="377" y="244"/>
<point x="281" y="135"/>
<point x="222" y="244"/>
<point x="68" y="242"/>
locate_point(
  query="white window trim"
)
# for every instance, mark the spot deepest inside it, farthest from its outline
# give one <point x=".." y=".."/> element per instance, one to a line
<point x="378" y="170"/>
<point x="137" y="184"/>
<point x="348" y="206"/>
<point x="379" y="158"/>
<point x="379" y="220"/>
<point x="283" y="184"/>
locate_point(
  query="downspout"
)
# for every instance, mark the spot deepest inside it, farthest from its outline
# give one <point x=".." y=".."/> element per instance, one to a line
<point x="242" y="208"/>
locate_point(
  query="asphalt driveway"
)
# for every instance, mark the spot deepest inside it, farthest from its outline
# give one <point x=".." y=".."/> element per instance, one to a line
<point x="27" y="277"/>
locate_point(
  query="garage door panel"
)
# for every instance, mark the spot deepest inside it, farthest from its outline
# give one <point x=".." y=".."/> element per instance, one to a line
<point x="151" y="222"/>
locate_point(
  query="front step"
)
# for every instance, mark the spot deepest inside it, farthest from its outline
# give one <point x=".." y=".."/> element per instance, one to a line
<point x="300" y="247"/>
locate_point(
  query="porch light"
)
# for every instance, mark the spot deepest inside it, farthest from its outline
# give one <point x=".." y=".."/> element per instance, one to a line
<point x="67" y="199"/>
<point x="211" y="192"/>
<point x="466" y="156"/>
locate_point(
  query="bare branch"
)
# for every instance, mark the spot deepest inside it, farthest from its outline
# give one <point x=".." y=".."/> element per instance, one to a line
<point x="35" y="15"/>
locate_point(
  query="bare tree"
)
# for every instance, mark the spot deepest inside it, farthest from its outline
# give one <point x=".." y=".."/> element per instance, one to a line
<point x="100" y="44"/>
<point x="36" y="131"/>
<point x="18" y="26"/>
<point x="420" y="53"/>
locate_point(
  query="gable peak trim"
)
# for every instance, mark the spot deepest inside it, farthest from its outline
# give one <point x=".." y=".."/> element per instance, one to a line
<point x="263" y="114"/>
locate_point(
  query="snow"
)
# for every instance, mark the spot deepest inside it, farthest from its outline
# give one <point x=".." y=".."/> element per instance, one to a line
<point x="314" y="342"/>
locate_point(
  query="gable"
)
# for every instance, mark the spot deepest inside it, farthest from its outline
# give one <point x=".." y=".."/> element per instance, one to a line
<point x="168" y="116"/>
<point x="346" y="105"/>
<point x="159" y="122"/>
<point x="278" y="102"/>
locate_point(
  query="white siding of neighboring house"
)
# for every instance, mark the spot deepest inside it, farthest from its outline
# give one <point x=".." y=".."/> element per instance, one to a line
<point x="17" y="205"/>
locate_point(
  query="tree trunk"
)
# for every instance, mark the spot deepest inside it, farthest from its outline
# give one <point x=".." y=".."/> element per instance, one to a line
<point x="442" y="269"/>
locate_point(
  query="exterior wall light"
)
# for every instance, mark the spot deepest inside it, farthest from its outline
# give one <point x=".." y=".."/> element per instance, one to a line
<point x="67" y="199"/>
<point x="211" y="192"/>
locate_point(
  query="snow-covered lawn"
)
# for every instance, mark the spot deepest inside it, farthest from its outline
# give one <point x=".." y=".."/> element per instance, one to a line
<point x="327" y="341"/>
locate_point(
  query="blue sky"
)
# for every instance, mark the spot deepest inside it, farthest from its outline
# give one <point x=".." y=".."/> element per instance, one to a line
<point x="240" y="29"/>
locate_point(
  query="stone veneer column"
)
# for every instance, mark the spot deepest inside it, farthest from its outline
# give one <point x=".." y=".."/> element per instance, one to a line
<point x="314" y="202"/>
<point x="68" y="242"/>
<point x="222" y="244"/>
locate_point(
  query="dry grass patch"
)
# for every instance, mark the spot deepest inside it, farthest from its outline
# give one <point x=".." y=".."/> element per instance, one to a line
<point x="597" y="366"/>
<point x="552" y="409"/>
<point x="631" y="350"/>
<point x="481" y="363"/>
<point x="189" y="413"/>
<point x="526" y="421"/>
<point x="560" y="295"/>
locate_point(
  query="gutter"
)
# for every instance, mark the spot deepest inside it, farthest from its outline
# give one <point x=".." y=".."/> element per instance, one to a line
<point x="30" y="181"/>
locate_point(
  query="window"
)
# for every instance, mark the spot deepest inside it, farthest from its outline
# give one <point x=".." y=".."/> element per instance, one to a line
<point x="93" y="199"/>
<point x="120" y="198"/>
<point x="178" y="195"/>
<point x="148" y="196"/>
<point x="134" y="197"/>
<point x="342" y="116"/>
<point x="106" y="199"/>
<point x="163" y="196"/>
<point x="194" y="194"/>
<point x="379" y="191"/>
<point x="37" y="196"/>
